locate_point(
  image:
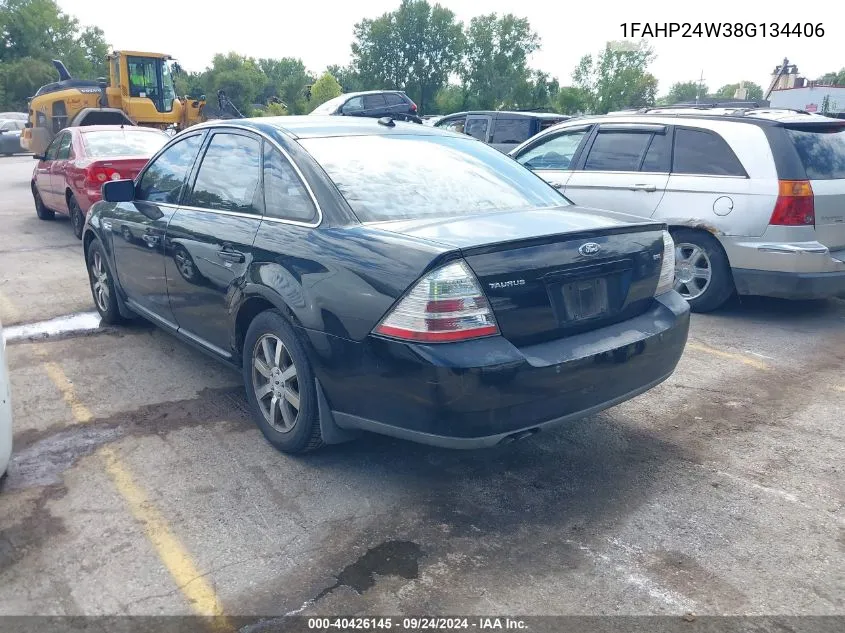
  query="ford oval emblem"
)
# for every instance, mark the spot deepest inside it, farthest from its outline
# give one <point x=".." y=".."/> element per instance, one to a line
<point x="590" y="248"/>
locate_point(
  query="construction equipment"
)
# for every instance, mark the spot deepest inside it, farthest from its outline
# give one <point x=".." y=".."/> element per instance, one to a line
<point x="140" y="91"/>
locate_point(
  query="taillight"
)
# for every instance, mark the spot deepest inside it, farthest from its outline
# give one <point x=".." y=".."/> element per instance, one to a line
<point x="413" y="107"/>
<point x="794" y="206"/>
<point x="446" y="305"/>
<point x="96" y="175"/>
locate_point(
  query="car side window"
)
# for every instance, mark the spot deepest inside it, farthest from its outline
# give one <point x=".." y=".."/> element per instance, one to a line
<point x="556" y="152"/>
<point x="373" y="102"/>
<point x="229" y="177"/>
<point x="512" y="130"/>
<point x="658" y="155"/>
<point x="394" y="99"/>
<point x="165" y="178"/>
<point x="453" y="125"/>
<point x="285" y="196"/>
<point x="703" y="152"/>
<point x="355" y="104"/>
<point x="52" y="149"/>
<point x="477" y="128"/>
<point x="63" y="153"/>
<point x="617" y="151"/>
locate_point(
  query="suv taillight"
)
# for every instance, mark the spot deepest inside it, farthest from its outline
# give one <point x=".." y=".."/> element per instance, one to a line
<point x="413" y="107"/>
<point x="794" y="206"/>
<point x="445" y="305"/>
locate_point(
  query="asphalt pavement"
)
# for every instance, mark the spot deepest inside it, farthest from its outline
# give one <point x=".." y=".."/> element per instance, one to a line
<point x="139" y="485"/>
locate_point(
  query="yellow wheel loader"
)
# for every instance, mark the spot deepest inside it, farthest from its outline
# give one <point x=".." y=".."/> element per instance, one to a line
<point x="139" y="92"/>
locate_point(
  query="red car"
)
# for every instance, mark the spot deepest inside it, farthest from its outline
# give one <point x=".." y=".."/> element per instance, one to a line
<point x="68" y="177"/>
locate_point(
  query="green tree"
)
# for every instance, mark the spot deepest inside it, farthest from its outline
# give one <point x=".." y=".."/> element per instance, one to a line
<point x="617" y="78"/>
<point x="413" y="48"/>
<point x="240" y="78"/>
<point x="450" y="98"/>
<point x="571" y="100"/>
<point x="496" y="70"/>
<point x="20" y="79"/>
<point x="325" y="88"/>
<point x="286" y="78"/>
<point x="833" y="78"/>
<point x="755" y="92"/>
<point x="38" y="31"/>
<point x="347" y="77"/>
<point x="685" y="91"/>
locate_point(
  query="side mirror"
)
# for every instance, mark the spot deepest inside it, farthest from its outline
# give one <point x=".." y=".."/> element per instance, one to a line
<point x="119" y="191"/>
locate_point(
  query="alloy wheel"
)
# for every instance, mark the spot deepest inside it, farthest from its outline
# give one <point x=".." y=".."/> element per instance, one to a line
<point x="274" y="380"/>
<point x="693" y="270"/>
<point x="100" y="282"/>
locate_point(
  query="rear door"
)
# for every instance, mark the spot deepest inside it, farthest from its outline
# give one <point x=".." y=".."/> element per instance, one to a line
<point x="396" y="105"/>
<point x="209" y="239"/>
<point x="478" y="126"/>
<point x="511" y="131"/>
<point x="822" y="152"/>
<point x="553" y="156"/>
<point x="375" y="106"/>
<point x="625" y="168"/>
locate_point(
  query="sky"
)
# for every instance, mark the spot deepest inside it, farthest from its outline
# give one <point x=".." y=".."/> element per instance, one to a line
<point x="320" y="32"/>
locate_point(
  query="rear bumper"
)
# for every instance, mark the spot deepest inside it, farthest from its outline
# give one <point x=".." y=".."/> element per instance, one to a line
<point x="789" y="285"/>
<point x="480" y="393"/>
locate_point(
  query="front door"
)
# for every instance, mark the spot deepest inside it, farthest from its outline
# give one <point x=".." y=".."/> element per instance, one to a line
<point x="138" y="227"/>
<point x="42" y="173"/>
<point x="209" y="239"/>
<point x="478" y="126"/>
<point x="553" y="156"/>
<point x="625" y="169"/>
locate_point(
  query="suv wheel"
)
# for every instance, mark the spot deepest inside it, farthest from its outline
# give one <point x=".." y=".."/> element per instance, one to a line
<point x="702" y="272"/>
<point x="280" y="385"/>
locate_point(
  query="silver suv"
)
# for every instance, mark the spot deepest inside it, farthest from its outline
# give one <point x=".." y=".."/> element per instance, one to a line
<point x="755" y="198"/>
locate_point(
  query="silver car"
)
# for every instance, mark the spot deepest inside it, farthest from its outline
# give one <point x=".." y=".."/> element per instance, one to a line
<point x="10" y="136"/>
<point x="755" y="198"/>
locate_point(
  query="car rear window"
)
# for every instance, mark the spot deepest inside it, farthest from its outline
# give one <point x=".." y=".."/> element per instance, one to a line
<point x="123" y="143"/>
<point x="822" y="152"/>
<point x="399" y="177"/>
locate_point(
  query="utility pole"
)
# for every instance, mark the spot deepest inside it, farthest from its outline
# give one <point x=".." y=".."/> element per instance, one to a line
<point x="700" y="85"/>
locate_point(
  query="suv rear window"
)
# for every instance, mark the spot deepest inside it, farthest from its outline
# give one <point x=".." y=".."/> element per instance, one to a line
<point x="704" y="153"/>
<point x="381" y="179"/>
<point x="511" y="130"/>
<point x="822" y="152"/>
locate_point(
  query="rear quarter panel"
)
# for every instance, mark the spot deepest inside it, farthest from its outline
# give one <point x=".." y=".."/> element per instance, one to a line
<point x="733" y="206"/>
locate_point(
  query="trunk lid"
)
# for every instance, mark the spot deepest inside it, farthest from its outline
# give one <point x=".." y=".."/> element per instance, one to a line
<point x="821" y="151"/>
<point x="554" y="272"/>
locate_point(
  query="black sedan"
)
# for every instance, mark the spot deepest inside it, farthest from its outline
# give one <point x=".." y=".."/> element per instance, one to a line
<point x="391" y="277"/>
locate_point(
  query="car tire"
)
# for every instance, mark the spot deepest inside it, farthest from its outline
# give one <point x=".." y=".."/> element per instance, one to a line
<point x="276" y="381"/>
<point x="695" y="253"/>
<point x="41" y="211"/>
<point x="102" y="284"/>
<point x="77" y="219"/>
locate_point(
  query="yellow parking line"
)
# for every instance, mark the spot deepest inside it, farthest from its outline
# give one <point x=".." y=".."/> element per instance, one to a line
<point x="740" y="358"/>
<point x="193" y="585"/>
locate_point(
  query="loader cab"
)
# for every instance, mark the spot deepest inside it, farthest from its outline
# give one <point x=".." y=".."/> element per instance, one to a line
<point x="144" y="81"/>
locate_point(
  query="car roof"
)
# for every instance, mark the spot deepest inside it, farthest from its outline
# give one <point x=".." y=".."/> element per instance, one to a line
<point x="113" y="128"/>
<point x="316" y="126"/>
<point x="371" y="92"/>
<point x="518" y="113"/>
<point x="754" y="116"/>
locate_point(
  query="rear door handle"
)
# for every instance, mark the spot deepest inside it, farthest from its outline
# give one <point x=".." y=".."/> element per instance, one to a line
<point x="649" y="188"/>
<point x="556" y="185"/>
<point x="228" y="255"/>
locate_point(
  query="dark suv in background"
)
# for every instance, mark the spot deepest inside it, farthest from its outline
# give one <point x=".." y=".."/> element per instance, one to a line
<point x="502" y="129"/>
<point x="373" y="103"/>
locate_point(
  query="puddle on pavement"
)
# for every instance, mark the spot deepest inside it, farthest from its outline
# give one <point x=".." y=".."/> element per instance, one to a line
<point x="60" y="326"/>
<point x="391" y="558"/>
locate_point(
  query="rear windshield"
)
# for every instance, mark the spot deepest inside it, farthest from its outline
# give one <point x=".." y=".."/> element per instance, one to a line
<point x="406" y="177"/>
<point x="821" y="151"/>
<point x="110" y="143"/>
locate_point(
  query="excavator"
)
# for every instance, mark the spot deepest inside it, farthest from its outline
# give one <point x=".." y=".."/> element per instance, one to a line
<point x="140" y="91"/>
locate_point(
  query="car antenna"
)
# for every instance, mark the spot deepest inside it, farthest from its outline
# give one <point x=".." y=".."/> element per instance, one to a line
<point x="388" y="121"/>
